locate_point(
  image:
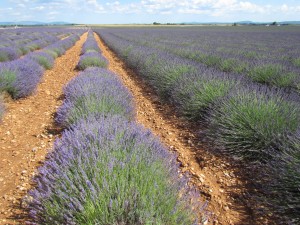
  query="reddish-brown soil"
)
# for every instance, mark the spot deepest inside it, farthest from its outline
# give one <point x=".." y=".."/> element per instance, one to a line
<point x="214" y="176"/>
<point x="27" y="132"/>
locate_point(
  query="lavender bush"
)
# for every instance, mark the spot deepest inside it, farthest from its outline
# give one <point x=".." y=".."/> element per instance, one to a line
<point x="90" y="45"/>
<point x="253" y="123"/>
<point x="45" y="59"/>
<point x="7" y="78"/>
<point x="273" y="74"/>
<point x="105" y="170"/>
<point x="91" y="59"/>
<point x="195" y="94"/>
<point x="59" y="48"/>
<point x="20" y="77"/>
<point x="8" y="54"/>
<point x="95" y="91"/>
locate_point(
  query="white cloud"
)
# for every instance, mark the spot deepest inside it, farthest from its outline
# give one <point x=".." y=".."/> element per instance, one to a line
<point x="213" y="9"/>
<point x="38" y="8"/>
<point x="52" y="13"/>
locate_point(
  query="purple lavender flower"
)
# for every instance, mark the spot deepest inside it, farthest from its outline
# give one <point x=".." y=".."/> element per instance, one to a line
<point x="94" y="92"/>
<point x="9" y="53"/>
<point x="42" y="58"/>
<point x="22" y="76"/>
<point x="77" y="181"/>
<point x="90" y="45"/>
<point x="91" y="59"/>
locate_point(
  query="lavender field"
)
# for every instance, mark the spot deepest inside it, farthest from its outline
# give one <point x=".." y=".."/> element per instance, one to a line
<point x="239" y="85"/>
<point x="26" y="53"/>
<point x="242" y="85"/>
<point x="105" y="168"/>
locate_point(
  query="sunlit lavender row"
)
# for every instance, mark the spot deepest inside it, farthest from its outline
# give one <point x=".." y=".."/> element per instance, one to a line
<point x="106" y="169"/>
<point x="15" y="43"/>
<point x="20" y="77"/>
<point x="91" y="54"/>
<point x="269" y="57"/>
<point x="251" y="122"/>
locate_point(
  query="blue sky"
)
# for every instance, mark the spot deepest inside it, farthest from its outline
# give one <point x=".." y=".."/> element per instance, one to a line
<point x="148" y="11"/>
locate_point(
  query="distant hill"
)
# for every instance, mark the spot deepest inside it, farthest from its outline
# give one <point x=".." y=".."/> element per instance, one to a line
<point x="290" y="22"/>
<point x="243" y="23"/>
<point x="33" y="23"/>
<point x="259" y="23"/>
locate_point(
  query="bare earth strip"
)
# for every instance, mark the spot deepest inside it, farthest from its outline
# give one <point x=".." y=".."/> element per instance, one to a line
<point x="214" y="176"/>
<point x="27" y="133"/>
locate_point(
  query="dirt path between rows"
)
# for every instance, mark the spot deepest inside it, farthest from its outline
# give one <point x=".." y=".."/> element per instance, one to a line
<point x="27" y="132"/>
<point x="213" y="176"/>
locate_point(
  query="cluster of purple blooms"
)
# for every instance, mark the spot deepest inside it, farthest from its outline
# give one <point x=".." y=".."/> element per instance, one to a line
<point x="15" y="43"/>
<point x="106" y="169"/>
<point x="91" y="54"/>
<point x="253" y="54"/>
<point x="20" y="77"/>
<point x="255" y="123"/>
<point x="90" y="45"/>
<point x="95" y="91"/>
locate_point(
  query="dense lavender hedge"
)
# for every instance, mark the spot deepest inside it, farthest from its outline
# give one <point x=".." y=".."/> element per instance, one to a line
<point x="106" y="170"/>
<point x="15" y="43"/>
<point x="20" y="77"/>
<point x="91" y="59"/>
<point x="94" y="92"/>
<point x="45" y="59"/>
<point x="91" y="54"/>
<point x="59" y="48"/>
<point x="90" y="45"/>
<point x="194" y="94"/>
<point x="9" y="53"/>
<point x="254" y="123"/>
<point x="232" y="50"/>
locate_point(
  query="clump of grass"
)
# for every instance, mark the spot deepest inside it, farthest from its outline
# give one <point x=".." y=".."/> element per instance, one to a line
<point x="107" y="170"/>
<point x="252" y="123"/>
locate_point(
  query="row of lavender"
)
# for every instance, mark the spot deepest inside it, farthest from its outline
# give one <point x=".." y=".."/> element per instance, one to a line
<point x="267" y="57"/>
<point x="249" y="122"/>
<point x="91" y="54"/>
<point x="19" y="42"/>
<point x="20" y="77"/>
<point x="106" y="169"/>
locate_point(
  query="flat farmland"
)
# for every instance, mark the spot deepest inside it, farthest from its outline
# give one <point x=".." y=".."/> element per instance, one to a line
<point x="150" y="125"/>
